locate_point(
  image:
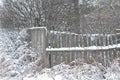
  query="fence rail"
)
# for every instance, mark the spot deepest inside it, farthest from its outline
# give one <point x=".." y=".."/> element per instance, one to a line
<point x="101" y="54"/>
<point x="56" y="47"/>
<point x="58" y="39"/>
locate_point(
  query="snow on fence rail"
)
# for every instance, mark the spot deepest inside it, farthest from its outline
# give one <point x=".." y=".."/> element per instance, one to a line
<point x="90" y="48"/>
<point x="56" y="47"/>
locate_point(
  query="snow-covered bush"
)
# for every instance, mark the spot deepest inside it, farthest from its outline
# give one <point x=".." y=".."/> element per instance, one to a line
<point x="16" y="57"/>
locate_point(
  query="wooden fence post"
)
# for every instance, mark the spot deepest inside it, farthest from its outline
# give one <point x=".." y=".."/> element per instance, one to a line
<point x="37" y="38"/>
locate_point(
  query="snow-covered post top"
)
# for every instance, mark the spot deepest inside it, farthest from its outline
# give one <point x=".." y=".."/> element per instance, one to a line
<point x="37" y="36"/>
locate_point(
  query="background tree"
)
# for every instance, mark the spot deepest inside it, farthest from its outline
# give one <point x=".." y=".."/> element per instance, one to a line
<point x="79" y="16"/>
<point x="61" y="14"/>
<point x="22" y="13"/>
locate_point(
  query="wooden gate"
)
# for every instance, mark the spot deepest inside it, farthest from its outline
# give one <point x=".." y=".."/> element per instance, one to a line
<point x="56" y="47"/>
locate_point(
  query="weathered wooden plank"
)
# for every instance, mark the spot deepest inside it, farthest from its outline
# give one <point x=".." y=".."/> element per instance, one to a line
<point x="38" y="42"/>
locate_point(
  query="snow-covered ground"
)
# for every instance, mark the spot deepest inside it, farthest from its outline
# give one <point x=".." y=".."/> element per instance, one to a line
<point x="81" y="72"/>
<point x="18" y="62"/>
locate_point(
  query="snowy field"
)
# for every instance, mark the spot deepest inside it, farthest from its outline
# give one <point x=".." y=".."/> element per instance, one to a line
<point x="17" y="62"/>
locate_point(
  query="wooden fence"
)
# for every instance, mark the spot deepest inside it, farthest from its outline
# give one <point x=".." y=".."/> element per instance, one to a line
<point x="56" y="47"/>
